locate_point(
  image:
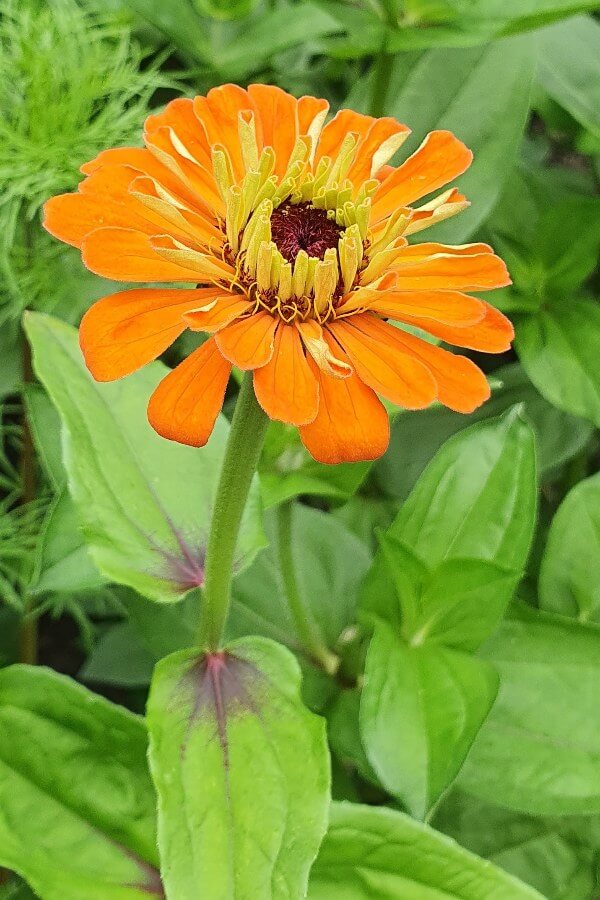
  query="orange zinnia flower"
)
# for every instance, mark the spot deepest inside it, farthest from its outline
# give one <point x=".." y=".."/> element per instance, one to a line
<point x="295" y="237"/>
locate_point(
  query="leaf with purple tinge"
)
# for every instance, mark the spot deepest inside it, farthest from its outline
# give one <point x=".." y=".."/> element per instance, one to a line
<point x="242" y="773"/>
<point x="144" y="503"/>
<point x="78" y="805"/>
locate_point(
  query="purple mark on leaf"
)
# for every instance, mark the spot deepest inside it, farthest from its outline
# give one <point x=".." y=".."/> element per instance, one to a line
<point x="183" y="567"/>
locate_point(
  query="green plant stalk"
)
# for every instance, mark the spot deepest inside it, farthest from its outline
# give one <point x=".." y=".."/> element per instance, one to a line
<point x="383" y="63"/>
<point x="303" y="620"/>
<point x="241" y="458"/>
<point x="28" y="633"/>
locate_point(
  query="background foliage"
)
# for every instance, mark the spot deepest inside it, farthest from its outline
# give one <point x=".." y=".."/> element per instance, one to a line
<point x="454" y="584"/>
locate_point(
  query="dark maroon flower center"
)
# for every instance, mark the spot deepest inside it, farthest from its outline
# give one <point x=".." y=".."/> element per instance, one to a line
<point x="301" y="226"/>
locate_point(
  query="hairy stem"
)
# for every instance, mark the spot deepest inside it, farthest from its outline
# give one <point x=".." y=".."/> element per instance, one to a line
<point x="239" y="465"/>
<point x="303" y="620"/>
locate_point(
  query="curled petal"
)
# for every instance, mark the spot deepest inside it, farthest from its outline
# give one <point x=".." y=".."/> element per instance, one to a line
<point x="493" y="334"/>
<point x="218" y="312"/>
<point x="440" y="158"/>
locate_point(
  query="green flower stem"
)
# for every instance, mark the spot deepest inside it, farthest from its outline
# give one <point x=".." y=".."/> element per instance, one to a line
<point x="305" y="626"/>
<point x="383" y="63"/>
<point x="382" y="68"/>
<point x="241" y="458"/>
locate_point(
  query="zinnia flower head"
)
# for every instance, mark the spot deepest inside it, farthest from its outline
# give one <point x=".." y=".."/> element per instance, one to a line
<point x="295" y="237"/>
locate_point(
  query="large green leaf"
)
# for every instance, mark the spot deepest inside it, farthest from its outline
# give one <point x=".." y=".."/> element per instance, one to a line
<point x="539" y="750"/>
<point x="421" y="708"/>
<point x="544" y="852"/>
<point x="242" y="773"/>
<point x="417" y="436"/>
<point x="569" y="68"/>
<point x="77" y="801"/>
<point x="570" y="570"/>
<point x="144" y="503"/>
<point x="330" y="564"/>
<point x="450" y="560"/>
<point x="374" y="853"/>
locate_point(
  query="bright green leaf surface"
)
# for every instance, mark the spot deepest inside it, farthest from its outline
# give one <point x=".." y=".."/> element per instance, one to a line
<point x="539" y="750"/>
<point x="379" y="854"/>
<point x="421" y="709"/>
<point x="449" y="562"/>
<point x="242" y="774"/>
<point x="559" y="348"/>
<point x="570" y="570"/>
<point x="138" y="496"/>
<point x="476" y="498"/>
<point x="76" y="797"/>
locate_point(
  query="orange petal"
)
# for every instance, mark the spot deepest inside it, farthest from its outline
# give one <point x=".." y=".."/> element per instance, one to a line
<point x="351" y="425"/>
<point x="198" y="184"/>
<point x="248" y="343"/>
<point x="186" y="403"/>
<point x="218" y="112"/>
<point x="451" y="271"/>
<point x="123" y="332"/>
<point x="344" y="121"/>
<point x="127" y="255"/>
<point x="314" y="339"/>
<point x="493" y="334"/>
<point x="440" y="158"/>
<point x="461" y="385"/>
<point x="218" y="312"/>
<point x="411" y="253"/>
<point x="166" y="215"/>
<point x="277" y="112"/>
<point x="384" y="138"/>
<point x="70" y="217"/>
<point x="397" y="376"/>
<point x="146" y="163"/>
<point x="286" y="387"/>
<point x="311" y="115"/>
<point x="179" y="115"/>
<point x="449" y="307"/>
